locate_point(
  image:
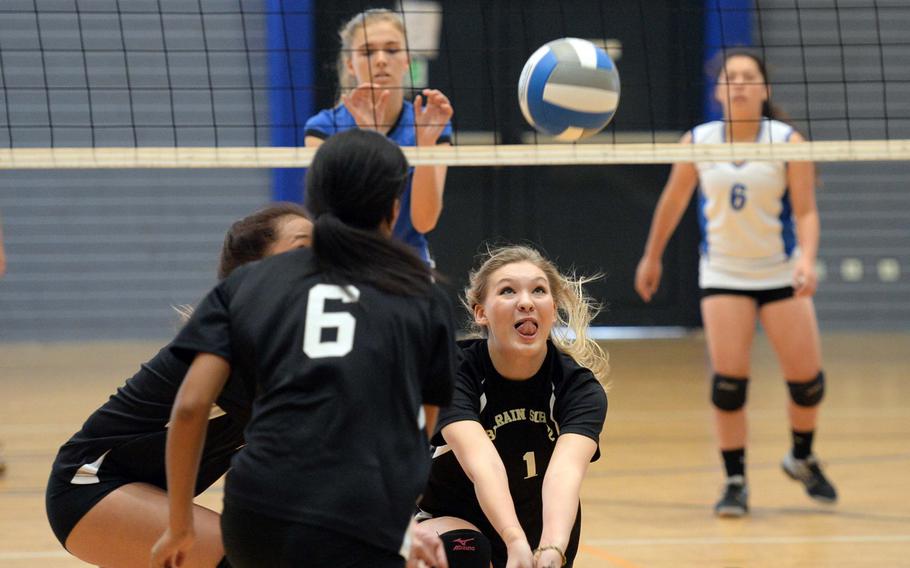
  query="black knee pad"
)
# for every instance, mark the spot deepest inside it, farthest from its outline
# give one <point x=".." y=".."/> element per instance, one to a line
<point x="809" y="393"/>
<point x="729" y="393"/>
<point x="466" y="548"/>
<point x="224" y="563"/>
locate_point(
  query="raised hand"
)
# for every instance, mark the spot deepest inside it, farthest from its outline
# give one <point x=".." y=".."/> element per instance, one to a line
<point x="368" y="104"/>
<point x="431" y="117"/>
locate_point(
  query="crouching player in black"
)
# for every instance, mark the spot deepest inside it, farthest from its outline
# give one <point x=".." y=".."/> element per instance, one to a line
<point x="524" y="423"/>
<point x="350" y="348"/>
<point x="106" y="499"/>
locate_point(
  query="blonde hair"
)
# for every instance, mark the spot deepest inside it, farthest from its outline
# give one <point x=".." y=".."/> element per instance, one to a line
<point x="574" y="308"/>
<point x="346" y="34"/>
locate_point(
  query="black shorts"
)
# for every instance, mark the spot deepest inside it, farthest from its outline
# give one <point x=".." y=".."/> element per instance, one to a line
<point x="67" y="503"/>
<point x="254" y="540"/>
<point x="140" y="462"/>
<point x="761" y="297"/>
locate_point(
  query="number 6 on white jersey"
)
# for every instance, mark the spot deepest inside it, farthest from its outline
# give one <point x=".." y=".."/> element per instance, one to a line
<point x="318" y="319"/>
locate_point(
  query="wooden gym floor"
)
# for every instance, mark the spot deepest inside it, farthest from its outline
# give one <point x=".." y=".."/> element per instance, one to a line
<point x="647" y="502"/>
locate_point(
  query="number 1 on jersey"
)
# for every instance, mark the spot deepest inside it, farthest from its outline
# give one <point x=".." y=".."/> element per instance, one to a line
<point x="531" y="462"/>
<point x="317" y="319"/>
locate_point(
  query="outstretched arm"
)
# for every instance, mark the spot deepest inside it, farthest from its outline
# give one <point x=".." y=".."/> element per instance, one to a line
<point x="561" y="486"/>
<point x="483" y="466"/>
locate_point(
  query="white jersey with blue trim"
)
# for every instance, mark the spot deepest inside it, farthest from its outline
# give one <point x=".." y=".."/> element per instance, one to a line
<point x="748" y="238"/>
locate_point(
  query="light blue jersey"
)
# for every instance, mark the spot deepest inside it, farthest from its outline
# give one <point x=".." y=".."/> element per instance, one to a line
<point x="748" y="237"/>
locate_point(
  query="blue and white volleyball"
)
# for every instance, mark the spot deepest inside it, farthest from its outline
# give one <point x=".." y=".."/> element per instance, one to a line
<point x="569" y="89"/>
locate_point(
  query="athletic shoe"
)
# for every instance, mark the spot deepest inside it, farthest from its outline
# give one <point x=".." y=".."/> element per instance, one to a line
<point x="734" y="502"/>
<point x="809" y="473"/>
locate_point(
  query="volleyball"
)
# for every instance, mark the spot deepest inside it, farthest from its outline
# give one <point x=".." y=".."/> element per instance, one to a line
<point x="569" y="89"/>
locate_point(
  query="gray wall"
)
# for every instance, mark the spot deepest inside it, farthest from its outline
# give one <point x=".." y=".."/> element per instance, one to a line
<point x="103" y="254"/>
<point x="100" y="254"/>
<point x="857" y="67"/>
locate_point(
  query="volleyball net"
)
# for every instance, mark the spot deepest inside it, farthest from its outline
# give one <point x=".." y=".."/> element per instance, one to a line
<point x="230" y="84"/>
<point x="213" y="93"/>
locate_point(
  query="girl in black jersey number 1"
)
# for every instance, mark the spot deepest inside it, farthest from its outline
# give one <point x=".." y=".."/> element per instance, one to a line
<point x="350" y="348"/>
<point x="524" y="423"/>
<point x="106" y="499"/>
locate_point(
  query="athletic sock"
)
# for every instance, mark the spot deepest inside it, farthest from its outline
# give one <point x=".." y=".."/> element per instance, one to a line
<point x="802" y="444"/>
<point x="734" y="461"/>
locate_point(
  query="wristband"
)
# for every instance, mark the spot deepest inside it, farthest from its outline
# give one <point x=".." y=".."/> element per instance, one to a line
<point x="562" y="554"/>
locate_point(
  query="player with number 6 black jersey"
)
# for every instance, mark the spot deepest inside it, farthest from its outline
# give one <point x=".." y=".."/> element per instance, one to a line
<point x="350" y="348"/>
<point x="524" y="422"/>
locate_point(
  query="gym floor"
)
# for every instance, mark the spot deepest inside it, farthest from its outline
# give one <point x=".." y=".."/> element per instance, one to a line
<point x="646" y="503"/>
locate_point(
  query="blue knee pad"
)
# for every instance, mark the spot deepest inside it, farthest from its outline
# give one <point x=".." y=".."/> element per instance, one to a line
<point x="810" y="393"/>
<point x="466" y="548"/>
<point x="729" y="393"/>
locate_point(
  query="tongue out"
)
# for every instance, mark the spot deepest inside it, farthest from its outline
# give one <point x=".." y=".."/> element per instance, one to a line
<point x="527" y="327"/>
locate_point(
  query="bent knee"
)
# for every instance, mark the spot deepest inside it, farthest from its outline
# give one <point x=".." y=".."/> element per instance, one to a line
<point x="466" y="548"/>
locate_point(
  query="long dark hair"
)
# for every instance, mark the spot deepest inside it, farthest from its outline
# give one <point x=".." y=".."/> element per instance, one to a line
<point x="719" y="62"/>
<point x="351" y="188"/>
<point x="249" y="238"/>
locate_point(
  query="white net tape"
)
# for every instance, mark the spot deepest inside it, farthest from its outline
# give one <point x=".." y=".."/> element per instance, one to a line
<point x="489" y="155"/>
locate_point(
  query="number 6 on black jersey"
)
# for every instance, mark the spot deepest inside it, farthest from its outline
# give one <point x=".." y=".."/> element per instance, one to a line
<point x="317" y="319"/>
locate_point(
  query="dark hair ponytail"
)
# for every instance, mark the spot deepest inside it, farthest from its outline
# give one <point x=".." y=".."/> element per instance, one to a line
<point x="351" y="188"/>
<point x="249" y="238"/>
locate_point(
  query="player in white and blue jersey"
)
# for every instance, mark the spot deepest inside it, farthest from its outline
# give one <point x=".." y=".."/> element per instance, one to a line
<point x="760" y="233"/>
<point x="372" y="67"/>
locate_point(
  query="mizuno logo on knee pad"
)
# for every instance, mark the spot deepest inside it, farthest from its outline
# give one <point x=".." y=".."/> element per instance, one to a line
<point x="463" y="544"/>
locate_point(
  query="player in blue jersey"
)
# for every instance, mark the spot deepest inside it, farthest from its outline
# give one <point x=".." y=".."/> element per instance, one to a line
<point x="105" y="498"/>
<point x="372" y="68"/>
<point x="760" y="233"/>
<point x="524" y="423"/>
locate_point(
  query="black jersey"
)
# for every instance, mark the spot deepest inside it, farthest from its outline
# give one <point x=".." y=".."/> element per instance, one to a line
<point x="341" y="372"/>
<point x="126" y="437"/>
<point x="523" y="419"/>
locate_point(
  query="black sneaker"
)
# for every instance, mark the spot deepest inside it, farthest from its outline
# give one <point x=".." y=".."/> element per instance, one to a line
<point x="809" y="473"/>
<point x="734" y="502"/>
